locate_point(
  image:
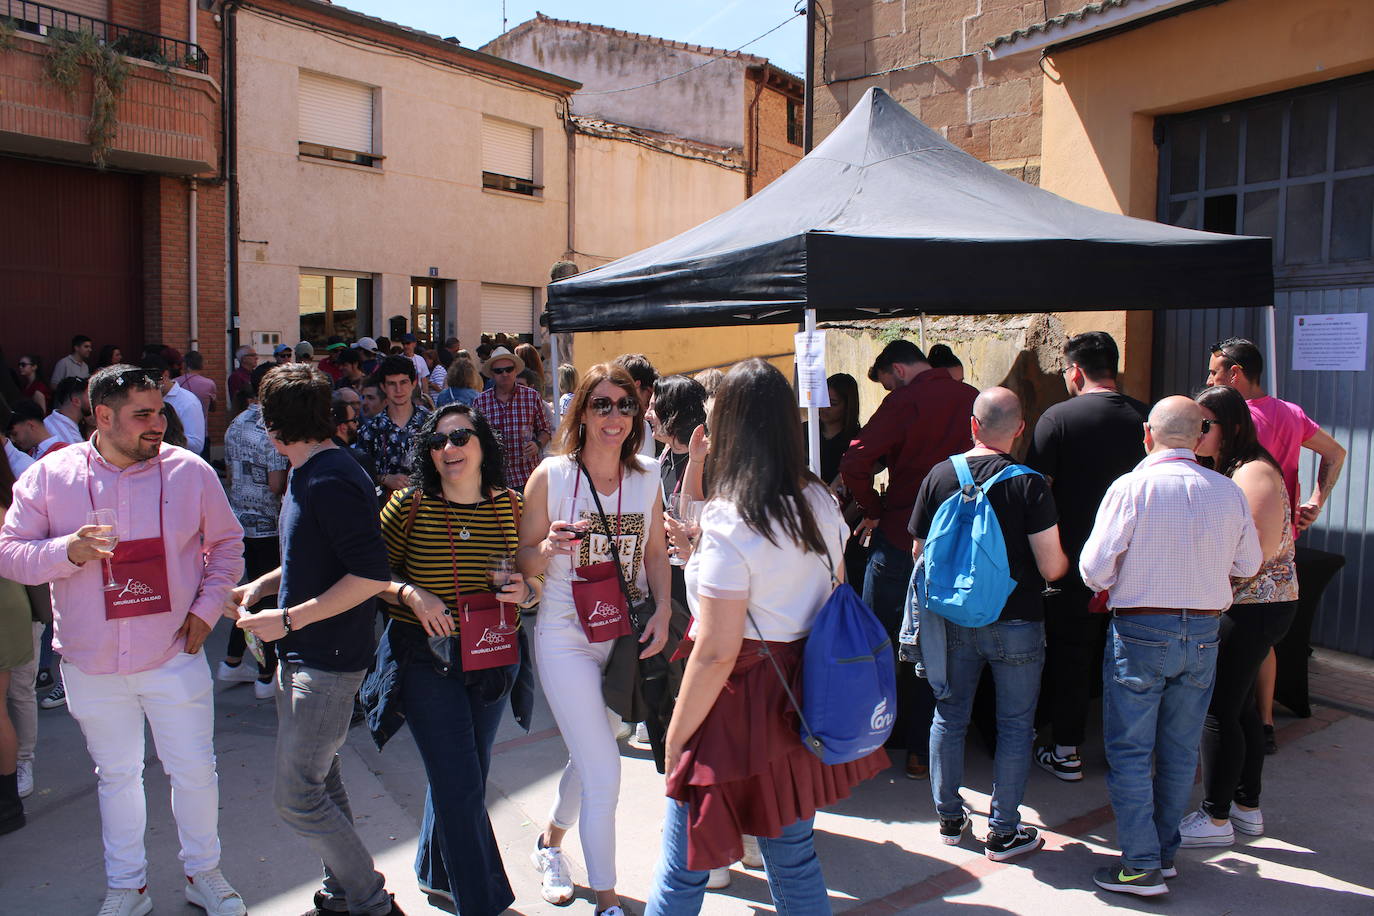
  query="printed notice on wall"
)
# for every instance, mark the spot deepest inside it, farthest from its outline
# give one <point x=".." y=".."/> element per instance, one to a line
<point x="811" y="388"/>
<point x="1330" y="342"/>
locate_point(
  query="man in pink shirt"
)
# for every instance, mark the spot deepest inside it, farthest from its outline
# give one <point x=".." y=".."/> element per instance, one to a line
<point x="131" y="608"/>
<point x="1282" y="426"/>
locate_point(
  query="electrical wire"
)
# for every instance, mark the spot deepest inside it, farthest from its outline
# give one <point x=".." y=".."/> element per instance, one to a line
<point x="708" y="63"/>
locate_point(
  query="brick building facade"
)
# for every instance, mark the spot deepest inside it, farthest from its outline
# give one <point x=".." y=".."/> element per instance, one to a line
<point x="107" y="250"/>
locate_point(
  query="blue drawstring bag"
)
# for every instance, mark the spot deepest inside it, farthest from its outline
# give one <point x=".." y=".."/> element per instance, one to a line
<point x="849" y="680"/>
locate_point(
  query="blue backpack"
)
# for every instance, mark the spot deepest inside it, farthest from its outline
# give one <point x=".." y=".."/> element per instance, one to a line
<point x="849" y="680"/>
<point x="967" y="578"/>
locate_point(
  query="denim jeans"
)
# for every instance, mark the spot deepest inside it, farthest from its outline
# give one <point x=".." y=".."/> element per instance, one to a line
<point x="884" y="590"/>
<point x="313" y="709"/>
<point x="794" y="872"/>
<point x="1157" y="677"/>
<point x="454" y="729"/>
<point x="1015" y="649"/>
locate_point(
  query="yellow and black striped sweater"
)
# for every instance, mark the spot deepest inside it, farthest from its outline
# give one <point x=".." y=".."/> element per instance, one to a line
<point x="426" y="558"/>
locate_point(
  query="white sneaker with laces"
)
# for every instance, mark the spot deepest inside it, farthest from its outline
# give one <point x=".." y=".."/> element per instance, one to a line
<point x="126" y="901"/>
<point x="641" y="736"/>
<point x="719" y="878"/>
<point x="1250" y="823"/>
<point x="264" y="690"/>
<point x="753" y="856"/>
<point x="1198" y="830"/>
<point x="241" y="673"/>
<point x="24" y="775"/>
<point x="556" y="886"/>
<point x="212" y="893"/>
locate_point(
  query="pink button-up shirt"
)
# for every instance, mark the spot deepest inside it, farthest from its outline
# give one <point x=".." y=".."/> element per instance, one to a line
<point x="203" y="541"/>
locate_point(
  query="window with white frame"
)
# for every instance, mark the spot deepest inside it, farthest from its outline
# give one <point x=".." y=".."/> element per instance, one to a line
<point x="507" y="309"/>
<point x="509" y="158"/>
<point x="336" y="119"/>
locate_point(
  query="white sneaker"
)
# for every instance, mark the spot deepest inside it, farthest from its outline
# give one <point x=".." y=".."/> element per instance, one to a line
<point x="264" y="690"/>
<point x="241" y="673"/>
<point x="25" y="778"/>
<point x="720" y="877"/>
<point x="209" y="891"/>
<point x="126" y="901"/>
<point x="641" y="736"/>
<point x="619" y="727"/>
<point x="1250" y="823"/>
<point x="556" y="885"/>
<point x="1198" y="830"/>
<point x="753" y="857"/>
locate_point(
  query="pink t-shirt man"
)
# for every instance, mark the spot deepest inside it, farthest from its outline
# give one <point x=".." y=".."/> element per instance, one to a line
<point x="203" y="388"/>
<point x="1282" y="428"/>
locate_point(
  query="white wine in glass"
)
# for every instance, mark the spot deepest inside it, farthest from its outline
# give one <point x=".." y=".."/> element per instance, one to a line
<point x="106" y="519"/>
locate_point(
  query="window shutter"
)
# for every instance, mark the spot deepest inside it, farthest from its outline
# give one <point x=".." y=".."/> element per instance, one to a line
<point x="507" y="149"/>
<point x="507" y="309"/>
<point x="96" y="9"/>
<point x="335" y="112"/>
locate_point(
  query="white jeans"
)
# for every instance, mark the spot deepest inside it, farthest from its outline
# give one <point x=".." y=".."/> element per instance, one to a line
<point x="570" y="674"/>
<point x="177" y="700"/>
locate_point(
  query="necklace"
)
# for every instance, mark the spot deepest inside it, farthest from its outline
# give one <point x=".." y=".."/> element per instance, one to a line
<point x="463" y="533"/>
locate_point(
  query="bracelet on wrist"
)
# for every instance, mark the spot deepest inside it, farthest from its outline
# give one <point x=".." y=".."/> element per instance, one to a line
<point x="286" y="620"/>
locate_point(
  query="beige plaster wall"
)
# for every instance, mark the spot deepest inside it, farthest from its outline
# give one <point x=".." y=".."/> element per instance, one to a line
<point x="425" y="207"/>
<point x="630" y="197"/>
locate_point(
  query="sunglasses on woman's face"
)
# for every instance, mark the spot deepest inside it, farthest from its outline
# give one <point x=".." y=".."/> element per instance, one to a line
<point x="1207" y="426"/>
<point x="627" y="406"/>
<point x="459" y="437"/>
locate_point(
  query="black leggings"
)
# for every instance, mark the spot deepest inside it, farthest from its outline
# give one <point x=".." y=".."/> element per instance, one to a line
<point x="260" y="555"/>
<point x="1233" y="736"/>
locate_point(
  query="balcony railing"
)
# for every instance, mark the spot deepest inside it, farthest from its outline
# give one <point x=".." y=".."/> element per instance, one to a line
<point x="38" y="19"/>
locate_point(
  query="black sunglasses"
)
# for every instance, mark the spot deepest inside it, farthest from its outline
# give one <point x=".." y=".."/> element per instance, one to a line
<point x="502" y="370"/>
<point x="627" y="406"/>
<point x="1207" y="426"/>
<point x="459" y="437"/>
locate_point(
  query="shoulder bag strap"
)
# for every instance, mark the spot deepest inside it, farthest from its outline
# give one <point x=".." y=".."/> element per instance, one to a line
<point x="416" y="495"/>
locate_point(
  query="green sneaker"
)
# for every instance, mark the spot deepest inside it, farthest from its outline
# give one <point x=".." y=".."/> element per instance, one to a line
<point x="1126" y="880"/>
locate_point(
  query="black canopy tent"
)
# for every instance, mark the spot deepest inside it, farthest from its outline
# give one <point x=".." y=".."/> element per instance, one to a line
<point x="886" y="218"/>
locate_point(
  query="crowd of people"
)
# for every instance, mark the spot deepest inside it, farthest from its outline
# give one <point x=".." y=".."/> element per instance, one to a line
<point x="655" y="552"/>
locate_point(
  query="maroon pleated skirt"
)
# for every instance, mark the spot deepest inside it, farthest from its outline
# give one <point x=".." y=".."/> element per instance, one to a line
<point x="746" y="770"/>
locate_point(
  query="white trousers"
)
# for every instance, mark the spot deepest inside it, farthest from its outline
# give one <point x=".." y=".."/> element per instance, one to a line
<point x="570" y="674"/>
<point x="177" y="700"/>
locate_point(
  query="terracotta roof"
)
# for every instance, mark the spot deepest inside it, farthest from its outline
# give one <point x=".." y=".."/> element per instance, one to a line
<point x="541" y="19"/>
<point x="1058" y="22"/>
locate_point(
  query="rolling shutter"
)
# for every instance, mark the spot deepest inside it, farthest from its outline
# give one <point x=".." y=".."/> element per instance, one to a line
<point x="507" y="149"/>
<point x="507" y="309"/>
<point x="335" y="112"/>
<point x="96" y="9"/>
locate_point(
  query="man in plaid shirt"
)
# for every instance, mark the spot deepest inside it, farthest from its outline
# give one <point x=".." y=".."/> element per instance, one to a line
<point x="517" y="413"/>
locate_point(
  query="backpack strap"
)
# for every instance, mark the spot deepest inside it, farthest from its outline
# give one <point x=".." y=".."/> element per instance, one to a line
<point x="961" y="469"/>
<point x="1007" y="473"/>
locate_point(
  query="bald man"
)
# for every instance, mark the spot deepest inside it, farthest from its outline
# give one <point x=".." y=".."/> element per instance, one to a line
<point x="1013" y="645"/>
<point x="1167" y="540"/>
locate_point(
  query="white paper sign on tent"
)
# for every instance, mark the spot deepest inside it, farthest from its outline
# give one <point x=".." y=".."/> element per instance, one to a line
<point x="811" y="387"/>
<point x="1330" y="342"/>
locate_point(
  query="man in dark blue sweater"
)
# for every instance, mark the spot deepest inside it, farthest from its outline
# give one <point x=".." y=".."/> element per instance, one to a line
<point x="333" y="567"/>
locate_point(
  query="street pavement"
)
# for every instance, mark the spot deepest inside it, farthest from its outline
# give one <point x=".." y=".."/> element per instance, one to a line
<point x="879" y="849"/>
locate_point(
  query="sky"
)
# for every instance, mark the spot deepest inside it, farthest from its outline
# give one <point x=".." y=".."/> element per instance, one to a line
<point x="724" y="24"/>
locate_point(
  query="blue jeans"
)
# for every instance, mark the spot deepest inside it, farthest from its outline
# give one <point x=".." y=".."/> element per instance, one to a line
<point x="794" y="872"/>
<point x="1015" y="649"/>
<point x="884" y="590"/>
<point x="454" y="728"/>
<point x="313" y="709"/>
<point x="1157" y="677"/>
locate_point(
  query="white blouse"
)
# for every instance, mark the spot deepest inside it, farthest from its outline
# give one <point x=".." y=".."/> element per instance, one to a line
<point x="784" y="584"/>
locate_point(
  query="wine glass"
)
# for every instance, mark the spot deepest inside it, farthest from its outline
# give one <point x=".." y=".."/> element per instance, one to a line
<point x="500" y="569"/>
<point x="568" y="509"/>
<point x="106" y="518"/>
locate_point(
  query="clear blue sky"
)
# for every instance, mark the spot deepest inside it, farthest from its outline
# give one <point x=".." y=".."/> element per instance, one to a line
<point x="718" y="23"/>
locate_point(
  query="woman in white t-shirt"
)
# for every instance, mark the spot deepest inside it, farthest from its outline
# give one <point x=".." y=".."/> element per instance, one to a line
<point x="596" y="449"/>
<point x="771" y="540"/>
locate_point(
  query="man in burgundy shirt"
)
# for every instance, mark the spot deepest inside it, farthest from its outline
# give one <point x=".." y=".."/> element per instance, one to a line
<point x="923" y="421"/>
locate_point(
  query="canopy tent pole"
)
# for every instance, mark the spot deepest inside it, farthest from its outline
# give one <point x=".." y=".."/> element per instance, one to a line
<point x="1272" y="323"/>
<point x="923" y="334"/>
<point x="557" y="395"/>
<point x="813" y="415"/>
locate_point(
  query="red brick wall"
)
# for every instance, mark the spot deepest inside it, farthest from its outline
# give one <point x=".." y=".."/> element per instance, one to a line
<point x="928" y="54"/>
<point x="770" y="153"/>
